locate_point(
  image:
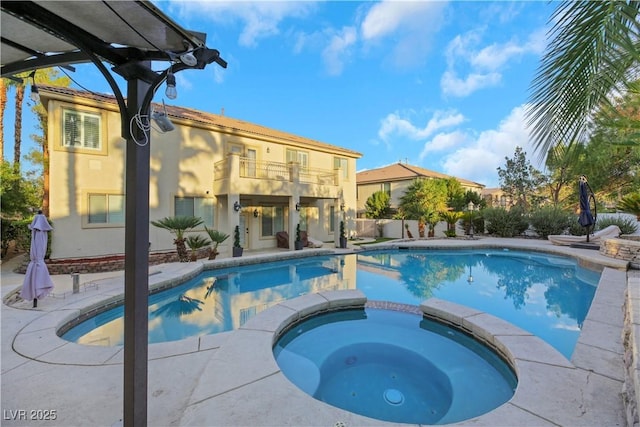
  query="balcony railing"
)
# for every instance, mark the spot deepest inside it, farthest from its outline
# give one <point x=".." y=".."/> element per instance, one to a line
<point x="278" y="171"/>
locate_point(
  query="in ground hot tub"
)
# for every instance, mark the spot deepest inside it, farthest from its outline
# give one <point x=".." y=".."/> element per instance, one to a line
<point x="394" y="366"/>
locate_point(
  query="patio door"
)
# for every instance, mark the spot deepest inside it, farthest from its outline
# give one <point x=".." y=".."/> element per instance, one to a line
<point x="244" y="230"/>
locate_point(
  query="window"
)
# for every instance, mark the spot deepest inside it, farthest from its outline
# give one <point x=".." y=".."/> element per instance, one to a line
<point x="332" y="219"/>
<point x="106" y="209"/>
<point x="195" y="206"/>
<point x="386" y="187"/>
<point x="81" y="130"/>
<point x="301" y="157"/>
<point x="272" y="220"/>
<point x="341" y="163"/>
<point x="303" y="220"/>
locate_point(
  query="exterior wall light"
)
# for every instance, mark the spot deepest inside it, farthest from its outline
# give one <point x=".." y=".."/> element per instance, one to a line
<point x="237" y="206"/>
<point x="298" y="206"/>
<point x="256" y="213"/>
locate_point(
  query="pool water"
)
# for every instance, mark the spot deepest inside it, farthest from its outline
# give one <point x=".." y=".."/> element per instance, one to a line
<point x="547" y="295"/>
<point x="394" y="366"/>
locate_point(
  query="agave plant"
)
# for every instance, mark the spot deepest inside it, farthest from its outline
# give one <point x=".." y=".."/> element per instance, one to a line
<point x="196" y="242"/>
<point x="630" y="204"/>
<point x="178" y="225"/>
<point x="216" y="237"/>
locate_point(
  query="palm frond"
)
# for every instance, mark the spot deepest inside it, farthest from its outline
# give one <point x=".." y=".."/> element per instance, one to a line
<point x="593" y="51"/>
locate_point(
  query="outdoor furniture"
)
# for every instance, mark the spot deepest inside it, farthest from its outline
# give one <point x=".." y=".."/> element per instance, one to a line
<point x="610" y="232"/>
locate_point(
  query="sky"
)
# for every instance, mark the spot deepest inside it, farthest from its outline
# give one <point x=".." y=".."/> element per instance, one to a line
<point x="436" y="84"/>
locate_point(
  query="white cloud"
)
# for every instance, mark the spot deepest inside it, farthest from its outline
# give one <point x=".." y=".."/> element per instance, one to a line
<point x="409" y="26"/>
<point x="480" y="158"/>
<point x="339" y="50"/>
<point x="451" y="84"/>
<point x="386" y="17"/>
<point x="394" y="125"/>
<point x="483" y="65"/>
<point x="442" y="142"/>
<point x="496" y="55"/>
<point x="260" y="19"/>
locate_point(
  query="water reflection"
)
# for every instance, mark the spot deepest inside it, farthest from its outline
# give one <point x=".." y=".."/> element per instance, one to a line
<point x="541" y="293"/>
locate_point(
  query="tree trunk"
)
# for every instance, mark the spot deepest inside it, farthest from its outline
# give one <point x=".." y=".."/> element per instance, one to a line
<point x="45" y="175"/>
<point x="183" y="254"/>
<point x="18" y="127"/>
<point x="3" y="105"/>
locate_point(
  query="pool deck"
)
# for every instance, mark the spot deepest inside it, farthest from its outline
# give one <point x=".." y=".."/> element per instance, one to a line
<point x="231" y="379"/>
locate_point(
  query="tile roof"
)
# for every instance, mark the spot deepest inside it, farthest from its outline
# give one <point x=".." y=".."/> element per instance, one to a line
<point x="403" y="172"/>
<point x="224" y="123"/>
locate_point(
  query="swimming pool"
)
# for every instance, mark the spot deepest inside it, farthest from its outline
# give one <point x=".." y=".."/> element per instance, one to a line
<point x="547" y="295"/>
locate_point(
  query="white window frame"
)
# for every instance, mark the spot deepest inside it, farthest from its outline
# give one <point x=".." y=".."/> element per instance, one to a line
<point x="114" y="216"/>
<point x="82" y="139"/>
<point x="298" y="156"/>
<point x="338" y="163"/>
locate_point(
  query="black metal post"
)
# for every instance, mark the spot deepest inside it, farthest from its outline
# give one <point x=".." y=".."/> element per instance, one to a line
<point x="136" y="264"/>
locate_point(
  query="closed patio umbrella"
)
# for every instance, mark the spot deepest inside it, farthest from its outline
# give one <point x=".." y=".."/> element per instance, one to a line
<point x="37" y="282"/>
<point x="586" y="219"/>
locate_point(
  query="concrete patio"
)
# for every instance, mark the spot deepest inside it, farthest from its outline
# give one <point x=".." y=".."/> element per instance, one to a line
<point x="231" y="379"/>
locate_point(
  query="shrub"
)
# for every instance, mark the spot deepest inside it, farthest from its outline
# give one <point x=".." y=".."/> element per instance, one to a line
<point x="630" y="204"/>
<point x="505" y="223"/>
<point x="627" y="225"/>
<point x="550" y="220"/>
<point x="575" y="229"/>
<point x="236" y="237"/>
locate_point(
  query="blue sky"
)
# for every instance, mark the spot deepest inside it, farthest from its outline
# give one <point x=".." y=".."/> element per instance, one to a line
<point x="441" y="85"/>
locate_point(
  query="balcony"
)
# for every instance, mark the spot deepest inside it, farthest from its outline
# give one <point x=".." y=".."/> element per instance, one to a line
<point x="242" y="175"/>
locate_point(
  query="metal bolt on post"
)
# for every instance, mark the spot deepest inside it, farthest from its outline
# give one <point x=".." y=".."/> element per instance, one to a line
<point x="76" y="282"/>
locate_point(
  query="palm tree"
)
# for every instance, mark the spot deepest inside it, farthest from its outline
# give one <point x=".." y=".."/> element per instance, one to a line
<point x="196" y="242"/>
<point x="3" y="106"/>
<point x="178" y="225"/>
<point x="431" y="218"/>
<point x="593" y="54"/>
<point x="451" y="218"/>
<point x="216" y="237"/>
<point x="17" y="147"/>
<point x="47" y="76"/>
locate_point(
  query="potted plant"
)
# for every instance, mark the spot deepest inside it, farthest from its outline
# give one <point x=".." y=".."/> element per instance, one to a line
<point x="196" y="242"/>
<point x="343" y="236"/>
<point x="237" y="249"/>
<point x="216" y="237"/>
<point x="298" y="243"/>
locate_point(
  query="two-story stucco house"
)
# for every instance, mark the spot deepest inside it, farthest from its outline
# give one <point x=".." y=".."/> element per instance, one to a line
<point x="395" y="179"/>
<point x="226" y="171"/>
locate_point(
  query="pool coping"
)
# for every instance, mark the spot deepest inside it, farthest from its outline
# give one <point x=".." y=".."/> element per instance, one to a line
<point x="242" y="371"/>
<point x="245" y="366"/>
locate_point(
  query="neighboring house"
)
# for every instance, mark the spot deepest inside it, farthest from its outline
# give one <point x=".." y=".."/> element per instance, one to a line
<point x="207" y="165"/>
<point x="395" y="179"/>
<point x="496" y="198"/>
